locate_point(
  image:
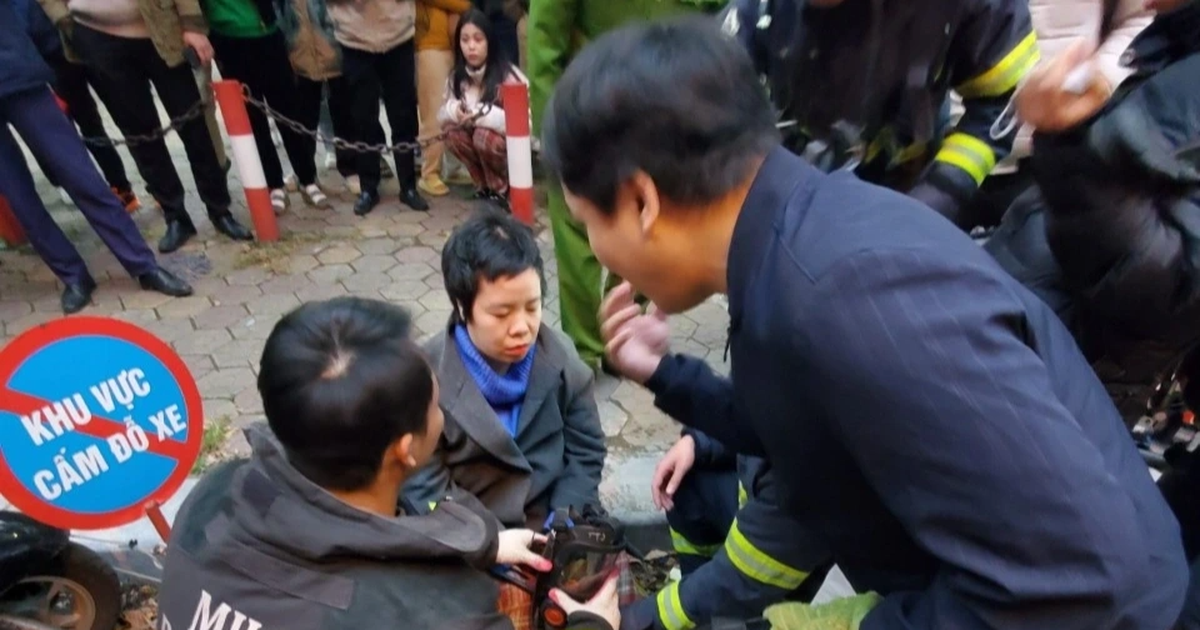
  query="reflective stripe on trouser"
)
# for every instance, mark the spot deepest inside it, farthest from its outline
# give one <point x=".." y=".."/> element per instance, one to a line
<point x="683" y="545"/>
<point x="758" y="566"/>
<point x="743" y="496"/>
<point x="969" y="154"/>
<point x="670" y="609"/>
<point x="1006" y="74"/>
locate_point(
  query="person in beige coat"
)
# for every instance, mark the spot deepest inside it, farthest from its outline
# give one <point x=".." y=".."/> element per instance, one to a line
<point x="1059" y="23"/>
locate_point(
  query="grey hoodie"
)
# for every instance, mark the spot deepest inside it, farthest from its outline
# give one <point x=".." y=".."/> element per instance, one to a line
<point x="257" y="545"/>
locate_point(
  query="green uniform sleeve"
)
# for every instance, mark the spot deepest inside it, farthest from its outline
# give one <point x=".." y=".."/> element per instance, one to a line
<point x="551" y="27"/>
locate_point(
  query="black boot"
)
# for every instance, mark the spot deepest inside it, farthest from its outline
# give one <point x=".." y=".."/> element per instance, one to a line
<point x="413" y="199"/>
<point x="75" y="297"/>
<point x="164" y="282"/>
<point x="178" y="233"/>
<point x="227" y="225"/>
<point x="366" y="202"/>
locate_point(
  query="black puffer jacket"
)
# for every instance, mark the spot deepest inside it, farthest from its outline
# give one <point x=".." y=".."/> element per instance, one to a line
<point x="1112" y="241"/>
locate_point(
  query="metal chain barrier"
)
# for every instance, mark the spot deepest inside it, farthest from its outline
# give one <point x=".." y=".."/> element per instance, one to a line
<point x="350" y="145"/>
<point x="197" y="110"/>
<point x="193" y="112"/>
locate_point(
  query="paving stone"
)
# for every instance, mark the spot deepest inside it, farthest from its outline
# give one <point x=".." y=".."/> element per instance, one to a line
<point x="183" y="308"/>
<point x="248" y="276"/>
<point x="11" y="310"/>
<point x="272" y="304"/>
<point x="198" y="364"/>
<point x="374" y="263"/>
<point x="218" y="317"/>
<point x="300" y="263"/>
<point x="320" y="292"/>
<point x="201" y="341"/>
<point x="225" y="383"/>
<point x="25" y="322"/>
<point x="339" y="255"/>
<point x="412" y="271"/>
<point x="145" y="299"/>
<point x="169" y="330"/>
<point x="284" y="284"/>
<point x="234" y="294"/>
<point x="435" y="299"/>
<point x="404" y="290"/>
<point x="329" y="274"/>
<point x="417" y="254"/>
<point x="217" y="408"/>
<point x="248" y="401"/>
<point x="240" y="353"/>
<point x="378" y="246"/>
<point x="366" y="284"/>
<point x="612" y="418"/>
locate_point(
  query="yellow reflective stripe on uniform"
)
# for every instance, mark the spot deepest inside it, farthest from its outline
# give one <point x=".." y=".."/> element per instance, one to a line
<point x="743" y="496"/>
<point x="670" y="609"/>
<point x="683" y="545"/>
<point x="968" y="153"/>
<point x="432" y="505"/>
<point x="1006" y="74"/>
<point x="757" y="565"/>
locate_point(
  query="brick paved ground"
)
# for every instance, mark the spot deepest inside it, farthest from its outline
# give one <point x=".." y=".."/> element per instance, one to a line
<point x="242" y="289"/>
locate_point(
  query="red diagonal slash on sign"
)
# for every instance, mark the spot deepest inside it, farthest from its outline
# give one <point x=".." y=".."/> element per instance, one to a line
<point x="100" y="427"/>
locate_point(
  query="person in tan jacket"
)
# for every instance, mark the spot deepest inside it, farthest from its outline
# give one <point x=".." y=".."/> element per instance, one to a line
<point x="130" y="45"/>
<point x="1059" y="23"/>
<point x="436" y="23"/>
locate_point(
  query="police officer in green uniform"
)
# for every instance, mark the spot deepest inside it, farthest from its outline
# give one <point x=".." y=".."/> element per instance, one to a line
<point x="557" y="29"/>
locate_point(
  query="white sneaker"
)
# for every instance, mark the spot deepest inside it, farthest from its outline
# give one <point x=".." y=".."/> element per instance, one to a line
<point x="354" y="185"/>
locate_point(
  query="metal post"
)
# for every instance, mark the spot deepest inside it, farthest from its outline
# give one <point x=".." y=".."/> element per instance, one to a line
<point x="245" y="156"/>
<point x="520" y="150"/>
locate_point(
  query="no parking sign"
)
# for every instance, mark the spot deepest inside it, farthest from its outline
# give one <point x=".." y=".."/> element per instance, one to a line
<point x="99" y="419"/>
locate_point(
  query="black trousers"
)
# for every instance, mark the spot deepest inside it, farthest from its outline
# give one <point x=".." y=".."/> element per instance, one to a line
<point x="123" y="70"/>
<point x="310" y="94"/>
<point x="71" y="85"/>
<point x="56" y="144"/>
<point x="391" y="75"/>
<point x="261" y="63"/>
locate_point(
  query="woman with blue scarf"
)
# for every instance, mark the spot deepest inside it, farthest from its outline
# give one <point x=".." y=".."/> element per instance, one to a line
<point x="522" y="430"/>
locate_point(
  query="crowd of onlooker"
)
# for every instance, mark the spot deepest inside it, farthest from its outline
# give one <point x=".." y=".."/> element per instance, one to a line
<point x="436" y="66"/>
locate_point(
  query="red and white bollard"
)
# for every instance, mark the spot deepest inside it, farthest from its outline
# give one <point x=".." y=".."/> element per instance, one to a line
<point x="245" y="156"/>
<point x="520" y="150"/>
<point x="10" y="230"/>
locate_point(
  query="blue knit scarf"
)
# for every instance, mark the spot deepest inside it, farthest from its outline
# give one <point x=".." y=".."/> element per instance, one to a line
<point x="504" y="392"/>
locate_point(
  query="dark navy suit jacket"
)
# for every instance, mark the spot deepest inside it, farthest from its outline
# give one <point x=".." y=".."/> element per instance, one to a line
<point x="932" y="420"/>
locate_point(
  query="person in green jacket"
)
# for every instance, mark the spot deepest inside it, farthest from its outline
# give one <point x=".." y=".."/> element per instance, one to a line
<point x="557" y="30"/>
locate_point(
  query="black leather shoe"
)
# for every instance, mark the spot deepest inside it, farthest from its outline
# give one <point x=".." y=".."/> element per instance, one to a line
<point x="164" y="282"/>
<point x="366" y="202"/>
<point x="177" y="234"/>
<point x="75" y="297"/>
<point x="413" y="199"/>
<point x="229" y="226"/>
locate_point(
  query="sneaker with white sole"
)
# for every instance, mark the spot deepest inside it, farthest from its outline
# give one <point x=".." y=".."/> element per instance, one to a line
<point x="279" y="200"/>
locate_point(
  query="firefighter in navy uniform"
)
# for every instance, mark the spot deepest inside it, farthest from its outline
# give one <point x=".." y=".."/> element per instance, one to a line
<point x="862" y="85"/>
<point x="738" y="550"/>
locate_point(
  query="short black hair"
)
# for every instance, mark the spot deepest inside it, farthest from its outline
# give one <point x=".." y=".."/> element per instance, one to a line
<point x="489" y="245"/>
<point x="341" y="380"/>
<point x="675" y="98"/>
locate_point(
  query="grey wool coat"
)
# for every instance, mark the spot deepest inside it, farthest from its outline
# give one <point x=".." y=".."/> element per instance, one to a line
<point x="554" y="461"/>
